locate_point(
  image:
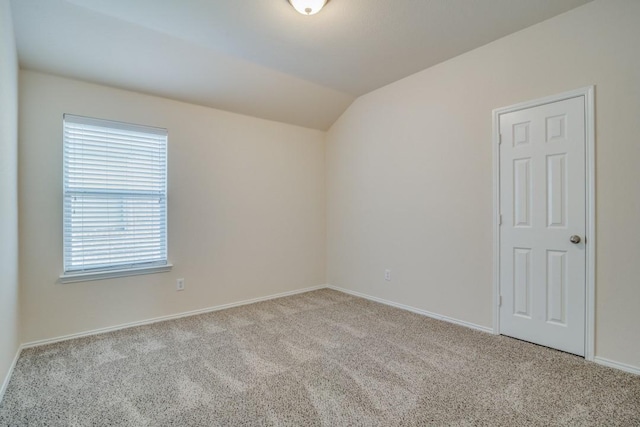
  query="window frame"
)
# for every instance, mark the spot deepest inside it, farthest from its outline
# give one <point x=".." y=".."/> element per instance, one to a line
<point x="117" y="269"/>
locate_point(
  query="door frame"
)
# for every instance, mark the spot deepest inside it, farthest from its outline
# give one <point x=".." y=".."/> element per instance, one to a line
<point x="590" y="238"/>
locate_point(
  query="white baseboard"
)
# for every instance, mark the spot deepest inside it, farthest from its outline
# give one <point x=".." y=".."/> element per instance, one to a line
<point x="169" y="317"/>
<point x="7" y="378"/>
<point x="414" y="310"/>
<point x="617" y="365"/>
<point x="599" y="360"/>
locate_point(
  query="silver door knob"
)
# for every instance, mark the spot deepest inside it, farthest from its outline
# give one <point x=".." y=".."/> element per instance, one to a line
<point x="575" y="239"/>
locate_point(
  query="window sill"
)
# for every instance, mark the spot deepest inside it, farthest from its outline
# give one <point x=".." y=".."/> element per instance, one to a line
<point x="110" y="274"/>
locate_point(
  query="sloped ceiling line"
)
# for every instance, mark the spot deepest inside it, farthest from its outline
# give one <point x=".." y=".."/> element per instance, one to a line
<point x="261" y="57"/>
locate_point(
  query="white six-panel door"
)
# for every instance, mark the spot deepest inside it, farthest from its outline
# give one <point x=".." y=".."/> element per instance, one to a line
<point x="543" y="215"/>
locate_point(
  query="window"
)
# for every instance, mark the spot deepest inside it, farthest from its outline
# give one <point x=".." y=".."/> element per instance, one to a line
<point x="115" y="199"/>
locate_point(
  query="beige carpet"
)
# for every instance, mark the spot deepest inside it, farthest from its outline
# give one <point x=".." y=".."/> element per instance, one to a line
<point x="320" y="358"/>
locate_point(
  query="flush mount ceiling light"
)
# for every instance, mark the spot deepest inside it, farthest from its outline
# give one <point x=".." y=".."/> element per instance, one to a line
<point x="308" y="7"/>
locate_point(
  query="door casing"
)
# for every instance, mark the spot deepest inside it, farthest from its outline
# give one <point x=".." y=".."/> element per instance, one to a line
<point x="590" y="247"/>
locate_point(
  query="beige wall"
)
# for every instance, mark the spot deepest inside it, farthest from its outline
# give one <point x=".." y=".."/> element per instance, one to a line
<point x="409" y="170"/>
<point x="9" y="322"/>
<point x="246" y="209"/>
<point x="408" y="178"/>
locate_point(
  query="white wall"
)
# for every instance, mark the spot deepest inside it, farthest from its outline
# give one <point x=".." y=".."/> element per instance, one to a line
<point x="409" y="170"/>
<point x="246" y="209"/>
<point x="9" y="321"/>
<point x="408" y="178"/>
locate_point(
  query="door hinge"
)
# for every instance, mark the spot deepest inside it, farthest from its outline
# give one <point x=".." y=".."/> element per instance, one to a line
<point x="499" y="138"/>
<point x="500" y="301"/>
<point x="500" y="219"/>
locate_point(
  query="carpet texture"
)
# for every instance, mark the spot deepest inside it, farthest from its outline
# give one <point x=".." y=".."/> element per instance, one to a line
<point x="321" y="358"/>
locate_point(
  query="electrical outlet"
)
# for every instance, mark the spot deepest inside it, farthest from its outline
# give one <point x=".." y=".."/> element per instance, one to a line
<point x="180" y="285"/>
<point x="387" y="275"/>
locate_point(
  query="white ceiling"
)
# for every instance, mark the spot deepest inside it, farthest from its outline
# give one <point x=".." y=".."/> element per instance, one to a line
<point x="260" y="57"/>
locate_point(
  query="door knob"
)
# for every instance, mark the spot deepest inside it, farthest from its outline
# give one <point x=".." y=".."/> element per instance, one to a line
<point x="575" y="239"/>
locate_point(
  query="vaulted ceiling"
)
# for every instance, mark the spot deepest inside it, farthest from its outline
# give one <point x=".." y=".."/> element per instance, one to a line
<point x="260" y="57"/>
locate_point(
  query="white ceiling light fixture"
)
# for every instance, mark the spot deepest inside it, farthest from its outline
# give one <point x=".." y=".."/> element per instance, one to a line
<point x="308" y="7"/>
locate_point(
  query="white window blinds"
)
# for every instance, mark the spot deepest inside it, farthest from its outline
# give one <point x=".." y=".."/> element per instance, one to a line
<point x="115" y="195"/>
